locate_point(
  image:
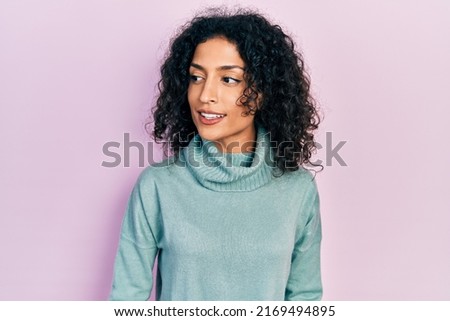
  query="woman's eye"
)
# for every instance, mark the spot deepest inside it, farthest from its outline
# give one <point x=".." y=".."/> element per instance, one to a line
<point x="230" y="80"/>
<point x="195" y="78"/>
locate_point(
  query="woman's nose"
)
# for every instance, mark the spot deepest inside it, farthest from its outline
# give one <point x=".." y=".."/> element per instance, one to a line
<point x="209" y="93"/>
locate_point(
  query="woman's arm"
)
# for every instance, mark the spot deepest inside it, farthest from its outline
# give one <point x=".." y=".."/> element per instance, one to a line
<point x="137" y="250"/>
<point x="305" y="281"/>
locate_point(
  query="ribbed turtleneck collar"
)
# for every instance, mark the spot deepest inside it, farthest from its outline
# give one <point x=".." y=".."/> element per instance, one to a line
<point x="233" y="172"/>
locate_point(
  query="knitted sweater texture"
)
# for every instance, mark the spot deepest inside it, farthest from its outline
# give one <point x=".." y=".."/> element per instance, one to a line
<point x="223" y="228"/>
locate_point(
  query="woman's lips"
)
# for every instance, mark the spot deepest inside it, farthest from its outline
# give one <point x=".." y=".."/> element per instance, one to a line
<point x="211" y="118"/>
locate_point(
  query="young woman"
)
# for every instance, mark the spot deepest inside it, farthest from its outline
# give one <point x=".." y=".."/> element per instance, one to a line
<point x="233" y="214"/>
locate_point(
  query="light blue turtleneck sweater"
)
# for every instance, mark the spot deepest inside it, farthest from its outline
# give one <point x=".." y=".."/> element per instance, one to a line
<point x="223" y="227"/>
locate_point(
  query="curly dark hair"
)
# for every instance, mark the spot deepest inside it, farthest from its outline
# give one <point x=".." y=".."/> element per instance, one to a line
<point x="273" y="69"/>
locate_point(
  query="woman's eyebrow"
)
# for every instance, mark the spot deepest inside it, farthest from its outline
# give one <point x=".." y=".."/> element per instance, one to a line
<point x="225" y="67"/>
<point x="228" y="67"/>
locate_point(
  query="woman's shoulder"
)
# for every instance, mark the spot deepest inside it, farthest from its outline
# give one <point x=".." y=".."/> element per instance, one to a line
<point x="301" y="174"/>
<point x="159" y="171"/>
<point x="303" y="179"/>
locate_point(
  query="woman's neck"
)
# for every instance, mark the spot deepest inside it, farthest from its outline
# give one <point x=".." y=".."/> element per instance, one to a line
<point x="244" y="142"/>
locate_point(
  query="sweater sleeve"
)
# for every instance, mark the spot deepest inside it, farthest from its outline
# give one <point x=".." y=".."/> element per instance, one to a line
<point x="304" y="281"/>
<point x="132" y="280"/>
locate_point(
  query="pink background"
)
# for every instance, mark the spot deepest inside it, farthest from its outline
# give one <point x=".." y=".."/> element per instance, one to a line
<point x="77" y="74"/>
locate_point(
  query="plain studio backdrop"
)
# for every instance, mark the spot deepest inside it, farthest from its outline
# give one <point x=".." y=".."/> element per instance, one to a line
<point x="75" y="75"/>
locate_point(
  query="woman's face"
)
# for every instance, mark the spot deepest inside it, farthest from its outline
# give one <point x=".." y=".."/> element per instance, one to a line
<point x="216" y="84"/>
